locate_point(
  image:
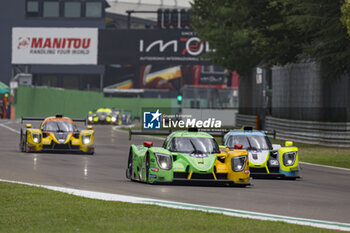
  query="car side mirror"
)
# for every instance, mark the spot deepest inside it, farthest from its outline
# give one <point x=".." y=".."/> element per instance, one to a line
<point x="148" y="144"/>
<point x="222" y="148"/>
<point x="288" y="143"/>
<point x="89" y="127"/>
<point x="28" y="126"/>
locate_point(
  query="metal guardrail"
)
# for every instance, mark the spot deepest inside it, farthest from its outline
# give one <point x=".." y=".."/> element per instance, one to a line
<point x="310" y="132"/>
<point x="245" y="120"/>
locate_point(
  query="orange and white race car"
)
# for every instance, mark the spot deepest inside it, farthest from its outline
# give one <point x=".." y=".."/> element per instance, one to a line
<point x="56" y="134"/>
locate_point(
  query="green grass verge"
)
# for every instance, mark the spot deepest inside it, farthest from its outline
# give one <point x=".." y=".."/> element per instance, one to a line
<point x="32" y="209"/>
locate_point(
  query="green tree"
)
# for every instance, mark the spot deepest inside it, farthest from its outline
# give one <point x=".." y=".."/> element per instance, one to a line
<point x="247" y="33"/>
<point x="346" y="15"/>
<point x="326" y="39"/>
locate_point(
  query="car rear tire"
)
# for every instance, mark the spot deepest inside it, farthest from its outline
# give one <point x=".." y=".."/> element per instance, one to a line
<point x="21" y="142"/>
<point x="24" y="141"/>
<point x="147" y="166"/>
<point x="129" y="170"/>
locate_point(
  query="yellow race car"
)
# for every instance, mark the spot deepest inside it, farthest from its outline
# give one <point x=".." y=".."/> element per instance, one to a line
<point x="56" y="134"/>
<point x="105" y="116"/>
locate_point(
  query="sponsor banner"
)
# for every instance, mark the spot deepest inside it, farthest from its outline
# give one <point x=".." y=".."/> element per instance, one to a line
<point x="65" y="46"/>
<point x="165" y="119"/>
<point x="152" y="47"/>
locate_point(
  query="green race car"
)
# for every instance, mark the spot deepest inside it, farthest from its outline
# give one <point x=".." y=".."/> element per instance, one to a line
<point x="187" y="156"/>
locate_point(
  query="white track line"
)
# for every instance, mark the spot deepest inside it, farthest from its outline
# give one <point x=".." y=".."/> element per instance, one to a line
<point x="179" y="205"/>
<point x="325" y="166"/>
<point x="9" y="128"/>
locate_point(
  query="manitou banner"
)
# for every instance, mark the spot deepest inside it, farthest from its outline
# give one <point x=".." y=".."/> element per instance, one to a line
<point x="151" y="46"/>
<point x="67" y="46"/>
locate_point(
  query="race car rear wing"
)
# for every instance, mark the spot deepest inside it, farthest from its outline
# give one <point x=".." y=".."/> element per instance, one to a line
<point x="57" y="116"/>
<point x="151" y="132"/>
<point x="32" y="119"/>
<point x="215" y="133"/>
<point x="270" y="132"/>
<point x="222" y="132"/>
<point x="267" y="132"/>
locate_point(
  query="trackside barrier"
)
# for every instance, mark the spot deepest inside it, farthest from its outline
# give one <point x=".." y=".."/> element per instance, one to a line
<point x="43" y="101"/>
<point x="310" y="132"/>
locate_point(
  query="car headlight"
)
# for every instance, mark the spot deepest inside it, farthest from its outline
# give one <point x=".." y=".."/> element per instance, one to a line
<point x="90" y="118"/>
<point x="238" y="163"/>
<point x="86" y="139"/>
<point x="164" y="161"/>
<point x="113" y="118"/>
<point x="274" y="163"/>
<point x="36" y="138"/>
<point x="96" y="118"/>
<point x="289" y="158"/>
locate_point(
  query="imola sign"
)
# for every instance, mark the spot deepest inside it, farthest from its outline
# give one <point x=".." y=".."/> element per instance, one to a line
<point x="152" y="46"/>
<point x="192" y="46"/>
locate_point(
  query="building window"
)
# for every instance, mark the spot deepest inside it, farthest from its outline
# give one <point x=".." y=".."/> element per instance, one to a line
<point x="33" y="8"/>
<point x="93" y="9"/>
<point x="71" y="82"/>
<point x="72" y="9"/>
<point x="47" y="80"/>
<point x="91" y="82"/>
<point x="51" y="9"/>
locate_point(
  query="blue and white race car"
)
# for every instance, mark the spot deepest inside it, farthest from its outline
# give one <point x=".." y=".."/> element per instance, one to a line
<point x="265" y="159"/>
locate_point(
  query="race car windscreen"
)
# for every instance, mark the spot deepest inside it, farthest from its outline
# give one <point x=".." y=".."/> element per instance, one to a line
<point x="59" y="126"/>
<point x="103" y="113"/>
<point x="194" y="145"/>
<point x="250" y="142"/>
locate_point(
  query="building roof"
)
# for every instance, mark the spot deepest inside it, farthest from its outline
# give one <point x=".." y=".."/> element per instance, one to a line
<point x="121" y="6"/>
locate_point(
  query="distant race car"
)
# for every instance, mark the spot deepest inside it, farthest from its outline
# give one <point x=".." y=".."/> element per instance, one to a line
<point x="105" y="116"/>
<point x="187" y="156"/>
<point x="265" y="159"/>
<point x="126" y="118"/>
<point x="56" y="134"/>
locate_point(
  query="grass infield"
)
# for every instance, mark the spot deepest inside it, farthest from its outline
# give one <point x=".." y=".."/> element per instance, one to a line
<point x="32" y="209"/>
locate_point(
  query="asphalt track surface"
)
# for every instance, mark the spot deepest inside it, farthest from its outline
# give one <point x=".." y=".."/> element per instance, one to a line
<point x="322" y="193"/>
